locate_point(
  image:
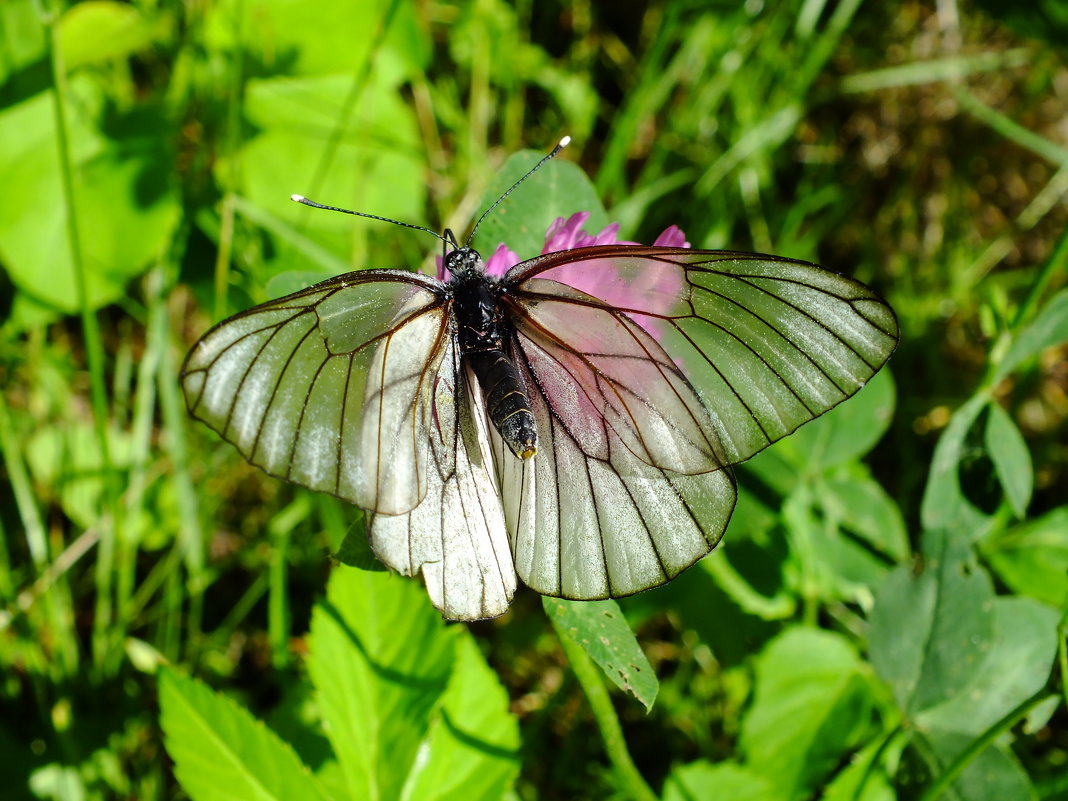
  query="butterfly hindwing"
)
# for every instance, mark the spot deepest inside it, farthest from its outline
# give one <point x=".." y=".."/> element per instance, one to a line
<point x="456" y="537"/>
<point x="599" y="522"/>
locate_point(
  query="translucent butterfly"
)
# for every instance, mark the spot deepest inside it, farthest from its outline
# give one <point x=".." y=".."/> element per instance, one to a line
<point x="571" y="424"/>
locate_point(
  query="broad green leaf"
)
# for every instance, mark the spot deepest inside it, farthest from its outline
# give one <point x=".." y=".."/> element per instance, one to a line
<point x="24" y="40"/>
<point x="103" y="30"/>
<point x="337" y="39"/>
<point x="861" y="505"/>
<point x="812" y="703"/>
<point x="1049" y="328"/>
<point x="1032" y="558"/>
<point x="125" y="200"/>
<point x="473" y="748"/>
<point x="222" y="753"/>
<point x="846" y="432"/>
<point x="724" y="780"/>
<point x="1015" y="666"/>
<point x="380" y="659"/>
<point x="993" y="775"/>
<point x="307" y="142"/>
<point x="929" y="634"/>
<point x="944" y="504"/>
<point x="602" y="631"/>
<point x="559" y="189"/>
<point x="1012" y="461"/>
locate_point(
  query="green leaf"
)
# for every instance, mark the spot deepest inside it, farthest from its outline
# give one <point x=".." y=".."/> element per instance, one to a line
<point x="355" y="550"/>
<point x="380" y="659"/>
<point x="602" y="631"/>
<point x="993" y="775"/>
<point x="338" y="39"/>
<point x="846" y="432"/>
<point x="474" y="741"/>
<point x="812" y="703"/>
<point x="861" y="505"/>
<point x="726" y="780"/>
<point x="102" y="30"/>
<point x="930" y="634"/>
<point x="860" y="773"/>
<point x="1048" y="329"/>
<point x="125" y="199"/>
<point x="559" y="189"/>
<point x="1015" y="666"/>
<point x="944" y="504"/>
<point x="1012" y="460"/>
<point x="222" y="753"/>
<point x="308" y="142"/>
<point x="1032" y="558"/>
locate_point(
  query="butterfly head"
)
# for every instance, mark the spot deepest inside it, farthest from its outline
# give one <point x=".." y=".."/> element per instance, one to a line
<point x="464" y="262"/>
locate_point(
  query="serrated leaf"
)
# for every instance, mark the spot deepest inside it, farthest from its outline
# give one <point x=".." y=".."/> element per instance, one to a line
<point x="380" y="659"/>
<point x="811" y="704"/>
<point x="473" y="748"/>
<point x="929" y="634"/>
<point x="601" y="630"/>
<point x="1012" y="461"/>
<point x="222" y="753"/>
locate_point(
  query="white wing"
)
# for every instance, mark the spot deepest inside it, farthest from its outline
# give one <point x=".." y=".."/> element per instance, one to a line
<point x="456" y="536"/>
<point x="329" y="387"/>
<point x="594" y="522"/>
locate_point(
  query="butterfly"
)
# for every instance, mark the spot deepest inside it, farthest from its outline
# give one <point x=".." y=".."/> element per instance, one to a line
<point x="571" y="424"/>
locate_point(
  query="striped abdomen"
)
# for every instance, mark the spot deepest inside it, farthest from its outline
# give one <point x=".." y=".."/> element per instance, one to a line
<point x="480" y="325"/>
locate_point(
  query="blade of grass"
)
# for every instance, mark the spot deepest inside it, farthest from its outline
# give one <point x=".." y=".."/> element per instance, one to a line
<point x="105" y="657"/>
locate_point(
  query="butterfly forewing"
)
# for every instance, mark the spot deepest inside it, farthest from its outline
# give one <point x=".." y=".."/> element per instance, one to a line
<point x="602" y="374"/>
<point x="329" y="387"/>
<point x="767" y="343"/>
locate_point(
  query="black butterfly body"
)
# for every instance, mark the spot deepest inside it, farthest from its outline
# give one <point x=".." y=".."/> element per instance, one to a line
<point x="571" y="424"/>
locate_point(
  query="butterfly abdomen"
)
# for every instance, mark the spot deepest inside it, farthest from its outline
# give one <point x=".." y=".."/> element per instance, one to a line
<point x="480" y="328"/>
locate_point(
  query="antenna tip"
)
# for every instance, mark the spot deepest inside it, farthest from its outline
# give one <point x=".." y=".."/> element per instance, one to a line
<point x="565" y="141"/>
<point x="297" y="198"/>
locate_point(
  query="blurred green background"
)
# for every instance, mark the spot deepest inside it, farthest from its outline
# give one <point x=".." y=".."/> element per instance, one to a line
<point x="886" y="617"/>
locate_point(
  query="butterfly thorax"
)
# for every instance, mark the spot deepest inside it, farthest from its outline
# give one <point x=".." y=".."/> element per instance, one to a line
<point x="484" y="333"/>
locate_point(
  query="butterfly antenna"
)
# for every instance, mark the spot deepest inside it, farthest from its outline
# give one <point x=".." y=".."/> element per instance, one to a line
<point x="560" y="146"/>
<point x="314" y="205"/>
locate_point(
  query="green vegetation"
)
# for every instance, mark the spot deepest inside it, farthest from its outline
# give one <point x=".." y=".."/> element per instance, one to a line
<point x="887" y="615"/>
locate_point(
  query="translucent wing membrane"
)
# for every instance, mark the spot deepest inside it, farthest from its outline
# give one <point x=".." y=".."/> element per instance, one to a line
<point x="457" y="535"/>
<point x="605" y="377"/>
<point x="589" y="516"/>
<point x="766" y="343"/>
<point x="329" y="387"/>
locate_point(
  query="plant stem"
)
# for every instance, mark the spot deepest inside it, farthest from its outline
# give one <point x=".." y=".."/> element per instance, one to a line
<point x="604" y="713"/>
